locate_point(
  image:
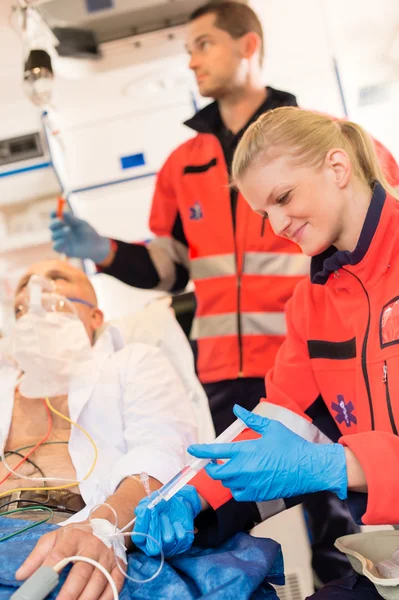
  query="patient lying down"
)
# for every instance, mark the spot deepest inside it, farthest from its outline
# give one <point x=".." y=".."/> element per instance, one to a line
<point x="129" y="400"/>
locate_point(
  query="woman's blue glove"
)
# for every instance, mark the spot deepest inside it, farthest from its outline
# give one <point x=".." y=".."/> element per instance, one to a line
<point x="170" y="523"/>
<point x="280" y="464"/>
<point x="75" y="237"/>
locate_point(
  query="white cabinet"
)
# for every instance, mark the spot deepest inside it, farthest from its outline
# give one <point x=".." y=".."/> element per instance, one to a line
<point x="94" y="151"/>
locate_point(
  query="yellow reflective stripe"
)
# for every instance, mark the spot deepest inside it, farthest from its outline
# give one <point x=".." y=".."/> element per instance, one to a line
<point x="252" y="323"/>
<point x="276" y="263"/>
<point x="214" y="326"/>
<point x="255" y="263"/>
<point x="213" y="266"/>
<point x="297" y="424"/>
<point x="263" y="323"/>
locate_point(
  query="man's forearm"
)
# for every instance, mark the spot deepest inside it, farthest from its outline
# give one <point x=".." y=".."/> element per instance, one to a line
<point x="107" y="262"/>
<point x="132" y="264"/>
<point x="124" y="500"/>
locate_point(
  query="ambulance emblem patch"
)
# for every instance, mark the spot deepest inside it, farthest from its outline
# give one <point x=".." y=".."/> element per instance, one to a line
<point x="344" y="411"/>
<point x="196" y="213"/>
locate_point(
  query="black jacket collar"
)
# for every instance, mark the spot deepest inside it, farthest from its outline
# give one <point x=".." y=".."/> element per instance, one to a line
<point x="324" y="264"/>
<point x="208" y="119"/>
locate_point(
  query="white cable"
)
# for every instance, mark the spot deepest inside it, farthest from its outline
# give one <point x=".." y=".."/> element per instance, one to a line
<point x="8" y="468"/>
<point x="63" y="563"/>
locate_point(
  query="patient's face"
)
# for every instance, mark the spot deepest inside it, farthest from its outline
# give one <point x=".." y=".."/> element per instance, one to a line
<point x="71" y="283"/>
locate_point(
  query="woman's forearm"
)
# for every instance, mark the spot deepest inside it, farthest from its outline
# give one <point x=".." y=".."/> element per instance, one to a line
<point x="356" y="477"/>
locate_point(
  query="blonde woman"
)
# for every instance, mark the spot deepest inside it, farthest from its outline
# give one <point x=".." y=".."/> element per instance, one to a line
<point x="318" y="183"/>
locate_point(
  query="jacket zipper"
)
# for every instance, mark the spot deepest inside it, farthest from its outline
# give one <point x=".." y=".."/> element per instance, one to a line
<point x="239" y="328"/>
<point x="239" y="324"/>
<point x="262" y="228"/>
<point x="388" y="397"/>
<point x="364" y="353"/>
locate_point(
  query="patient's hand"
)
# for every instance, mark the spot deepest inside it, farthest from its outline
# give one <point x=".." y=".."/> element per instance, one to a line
<point x="84" y="582"/>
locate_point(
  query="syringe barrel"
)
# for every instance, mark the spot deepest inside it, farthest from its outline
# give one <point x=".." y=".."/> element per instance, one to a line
<point x="174" y="485"/>
<point x="171" y="488"/>
<point x="229" y="434"/>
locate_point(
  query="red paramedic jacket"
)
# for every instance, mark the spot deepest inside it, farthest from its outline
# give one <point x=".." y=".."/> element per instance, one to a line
<point x="339" y="365"/>
<point x="243" y="274"/>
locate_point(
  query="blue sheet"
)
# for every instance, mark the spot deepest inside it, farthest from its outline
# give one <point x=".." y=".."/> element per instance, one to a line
<point x="241" y="568"/>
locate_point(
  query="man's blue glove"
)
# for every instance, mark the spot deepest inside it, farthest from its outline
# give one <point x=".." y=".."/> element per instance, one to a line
<point x="75" y="237"/>
<point x="280" y="464"/>
<point x="170" y="523"/>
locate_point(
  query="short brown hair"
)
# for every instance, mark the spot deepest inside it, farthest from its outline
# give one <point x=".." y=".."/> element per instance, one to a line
<point x="235" y="18"/>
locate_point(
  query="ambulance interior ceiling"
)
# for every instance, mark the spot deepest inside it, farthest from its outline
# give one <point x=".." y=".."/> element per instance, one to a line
<point x="123" y="17"/>
<point x="337" y="56"/>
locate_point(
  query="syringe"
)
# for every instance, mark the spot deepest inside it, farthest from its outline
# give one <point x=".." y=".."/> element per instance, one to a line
<point x="169" y="489"/>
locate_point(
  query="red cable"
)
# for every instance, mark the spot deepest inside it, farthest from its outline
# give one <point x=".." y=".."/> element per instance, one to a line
<point x="32" y="450"/>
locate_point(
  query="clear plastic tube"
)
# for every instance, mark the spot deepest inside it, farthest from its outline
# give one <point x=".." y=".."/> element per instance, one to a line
<point x="161" y="558"/>
<point x="145" y="480"/>
<point x="167" y="491"/>
<point x="111" y="509"/>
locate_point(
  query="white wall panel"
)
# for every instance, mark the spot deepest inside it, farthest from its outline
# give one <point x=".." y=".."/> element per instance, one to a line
<point x="298" y="52"/>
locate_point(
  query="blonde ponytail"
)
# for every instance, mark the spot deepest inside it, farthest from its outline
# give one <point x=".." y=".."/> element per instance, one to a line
<point x="307" y="137"/>
<point x="367" y="160"/>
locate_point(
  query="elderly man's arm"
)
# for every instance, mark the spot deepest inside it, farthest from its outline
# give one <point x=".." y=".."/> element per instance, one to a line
<point x="158" y="416"/>
<point x="124" y="501"/>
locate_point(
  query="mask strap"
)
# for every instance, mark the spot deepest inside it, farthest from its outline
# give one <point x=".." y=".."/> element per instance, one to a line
<point x="79" y="301"/>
